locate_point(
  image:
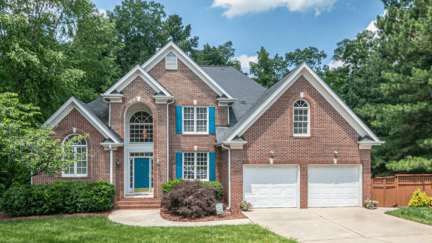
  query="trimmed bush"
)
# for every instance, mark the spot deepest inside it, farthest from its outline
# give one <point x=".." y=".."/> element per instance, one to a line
<point x="60" y="197"/>
<point x="420" y="199"/>
<point x="167" y="187"/>
<point x="217" y="185"/>
<point x="191" y="199"/>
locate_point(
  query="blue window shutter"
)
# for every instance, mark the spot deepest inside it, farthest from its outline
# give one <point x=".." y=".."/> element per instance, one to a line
<point x="179" y="119"/>
<point x="179" y="165"/>
<point x="212" y="166"/>
<point x="212" y="120"/>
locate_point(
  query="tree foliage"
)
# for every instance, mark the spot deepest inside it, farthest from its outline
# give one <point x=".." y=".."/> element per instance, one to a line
<point x="222" y="55"/>
<point x="26" y="148"/>
<point x="52" y="49"/>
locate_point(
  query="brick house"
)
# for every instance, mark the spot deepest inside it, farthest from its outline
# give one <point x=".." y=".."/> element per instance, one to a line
<point x="294" y="145"/>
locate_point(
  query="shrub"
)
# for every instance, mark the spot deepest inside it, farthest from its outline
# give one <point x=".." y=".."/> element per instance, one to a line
<point x="420" y="199"/>
<point x="191" y="199"/>
<point x="167" y="187"/>
<point x="60" y="197"/>
<point x="217" y="185"/>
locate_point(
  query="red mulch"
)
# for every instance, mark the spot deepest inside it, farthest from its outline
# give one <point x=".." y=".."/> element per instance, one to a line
<point x="6" y="216"/>
<point x="225" y="216"/>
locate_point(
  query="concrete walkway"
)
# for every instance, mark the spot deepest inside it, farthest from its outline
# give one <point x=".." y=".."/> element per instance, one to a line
<point x="340" y="225"/>
<point x="150" y="218"/>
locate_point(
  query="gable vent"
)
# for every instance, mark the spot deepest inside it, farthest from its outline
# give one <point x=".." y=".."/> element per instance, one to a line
<point x="171" y="61"/>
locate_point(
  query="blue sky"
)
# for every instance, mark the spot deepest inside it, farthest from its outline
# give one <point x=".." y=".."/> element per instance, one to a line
<point x="280" y="26"/>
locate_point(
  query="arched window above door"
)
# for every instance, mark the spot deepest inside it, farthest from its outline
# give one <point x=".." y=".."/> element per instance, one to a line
<point x="141" y="128"/>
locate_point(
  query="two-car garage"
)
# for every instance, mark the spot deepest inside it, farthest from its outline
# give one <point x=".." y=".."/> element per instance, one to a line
<point x="267" y="186"/>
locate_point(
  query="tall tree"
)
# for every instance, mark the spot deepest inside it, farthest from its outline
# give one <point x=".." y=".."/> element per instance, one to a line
<point x="311" y="55"/>
<point x="268" y="70"/>
<point x="139" y="27"/>
<point x="52" y="49"/>
<point x="180" y="34"/>
<point x="221" y="55"/>
<point x="405" y="34"/>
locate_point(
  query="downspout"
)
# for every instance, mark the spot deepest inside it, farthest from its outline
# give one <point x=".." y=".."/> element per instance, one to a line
<point x="229" y="175"/>
<point x="168" y="138"/>
<point x="111" y="164"/>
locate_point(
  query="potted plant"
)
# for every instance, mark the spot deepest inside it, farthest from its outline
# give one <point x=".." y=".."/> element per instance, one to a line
<point x="245" y="206"/>
<point x="370" y="204"/>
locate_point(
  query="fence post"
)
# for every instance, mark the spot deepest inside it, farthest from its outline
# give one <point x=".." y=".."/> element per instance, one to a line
<point x="397" y="189"/>
<point x="384" y="190"/>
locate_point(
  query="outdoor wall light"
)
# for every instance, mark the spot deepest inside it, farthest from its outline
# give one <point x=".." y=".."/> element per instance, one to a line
<point x="271" y="157"/>
<point x="158" y="162"/>
<point x="335" y="157"/>
<point x="118" y="162"/>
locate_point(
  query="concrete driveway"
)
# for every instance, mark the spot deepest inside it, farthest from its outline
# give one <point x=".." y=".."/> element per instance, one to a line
<point x="340" y="225"/>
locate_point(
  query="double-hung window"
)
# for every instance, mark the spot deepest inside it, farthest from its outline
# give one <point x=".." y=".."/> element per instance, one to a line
<point x="79" y="168"/>
<point x="196" y="166"/>
<point x="301" y="118"/>
<point x="195" y="120"/>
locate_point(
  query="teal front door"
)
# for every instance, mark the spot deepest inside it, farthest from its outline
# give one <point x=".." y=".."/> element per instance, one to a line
<point x="142" y="171"/>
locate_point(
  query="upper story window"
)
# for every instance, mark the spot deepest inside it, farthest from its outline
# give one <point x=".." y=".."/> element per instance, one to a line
<point x="195" y="120"/>
<point x="301" y="118"/>
<point x="141" y="128"/>
<point x="171" y="61"/>
<point x="195" y="166"/>
<point x="77" y="169"/>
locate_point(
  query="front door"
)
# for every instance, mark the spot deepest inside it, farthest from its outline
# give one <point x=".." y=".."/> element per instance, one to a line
<point x="142" y="171"/>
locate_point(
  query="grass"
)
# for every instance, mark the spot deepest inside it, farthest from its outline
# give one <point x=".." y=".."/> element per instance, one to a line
<point x="100" y="229"/>
<point x="417" y="214"/>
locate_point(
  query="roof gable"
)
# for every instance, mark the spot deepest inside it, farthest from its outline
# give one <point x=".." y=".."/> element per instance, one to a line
<point x="86" y="112"/>
<point x="132" y="75"/>
<point x="171" y="47"/>
<point x="271" y="95"/>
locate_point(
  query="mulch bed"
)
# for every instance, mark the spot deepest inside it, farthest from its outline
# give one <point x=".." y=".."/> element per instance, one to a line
<point x="225" y="216"/>
<point x="6" y="216"/>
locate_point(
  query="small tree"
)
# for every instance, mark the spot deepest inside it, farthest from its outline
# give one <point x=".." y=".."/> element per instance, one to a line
<point x="24" y="146"/>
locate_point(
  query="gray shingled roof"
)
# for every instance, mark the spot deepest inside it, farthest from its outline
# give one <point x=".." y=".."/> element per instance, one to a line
<point x="100" y="111"/>
<point x="257" y="104"/>
<point x="238" y="85"/>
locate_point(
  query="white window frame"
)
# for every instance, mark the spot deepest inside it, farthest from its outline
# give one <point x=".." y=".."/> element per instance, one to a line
<point x="135" y="124"/>
<point x="166" y="61"/>
<point x="195" y="120"/>
<point x="308" y="120"/>
<point x="75" y="163"/>
<point x="195" y="162"/>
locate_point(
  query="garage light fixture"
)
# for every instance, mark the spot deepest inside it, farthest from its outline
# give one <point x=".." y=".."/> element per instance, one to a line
<point x="271" y="157"/>
<point x="118" y="162"/>
<point x="335" y="157"/>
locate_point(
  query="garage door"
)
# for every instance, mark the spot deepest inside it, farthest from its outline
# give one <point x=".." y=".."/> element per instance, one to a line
<point x="333" y="186"/>
<point x="270" y="186"/>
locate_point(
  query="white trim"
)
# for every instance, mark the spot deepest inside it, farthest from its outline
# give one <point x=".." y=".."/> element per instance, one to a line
<point x="171" y="47"/>
<point x="308" y="117"/>
<point x="67" y="107"/>
<point x="298" y="186"/>
<point x="137" y="71"/>
<point x="323" y="89"/>
<point x="196" y="165"/>
<point x="75" y="163"/>
<point x="195" y="120"/>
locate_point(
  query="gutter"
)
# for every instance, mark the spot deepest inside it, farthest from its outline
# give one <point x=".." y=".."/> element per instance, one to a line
<point x="229" y="176"/>
<point x="168" y="138"/>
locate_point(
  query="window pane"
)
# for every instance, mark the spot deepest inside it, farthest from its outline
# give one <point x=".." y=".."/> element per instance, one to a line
<point x="202" y="164"/>
<point x="201" y="126"/>
<point x="189" y="166"/>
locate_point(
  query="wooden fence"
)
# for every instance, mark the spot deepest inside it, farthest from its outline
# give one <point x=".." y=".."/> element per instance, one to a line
<point x="397" y="190"/>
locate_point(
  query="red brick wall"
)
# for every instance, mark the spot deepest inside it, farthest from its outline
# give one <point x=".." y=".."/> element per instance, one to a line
<point x="98" y="159"/>
<point x="186" y="87"/>
<point x="273" y="131"/>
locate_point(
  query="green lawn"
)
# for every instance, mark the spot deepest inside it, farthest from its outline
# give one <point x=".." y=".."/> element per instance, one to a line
<point x="100" y="229"/>
<point x="418" y="214"/>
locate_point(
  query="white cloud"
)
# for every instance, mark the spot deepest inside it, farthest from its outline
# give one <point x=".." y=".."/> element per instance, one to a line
<point x="245" y="60"/>
<point x="102" y="12"/>
<point x="241" y="7"/>
<point x="335" y="64"/>
<point x="372" y="26"/>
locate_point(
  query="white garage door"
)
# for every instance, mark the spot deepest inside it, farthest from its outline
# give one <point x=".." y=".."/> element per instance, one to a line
<point x="333" y="186"/>
<point x="270" y="186"/>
